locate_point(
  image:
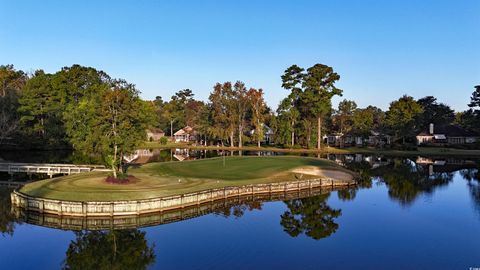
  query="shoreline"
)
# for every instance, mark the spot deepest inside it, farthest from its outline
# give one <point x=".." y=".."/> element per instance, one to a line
<point x="159" y="218"/>
<point x="161" y="204"/>
<point x="423" y="151"/>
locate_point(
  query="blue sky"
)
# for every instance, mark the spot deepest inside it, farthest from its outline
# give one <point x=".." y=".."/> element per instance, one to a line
<point x="381" y="49"/>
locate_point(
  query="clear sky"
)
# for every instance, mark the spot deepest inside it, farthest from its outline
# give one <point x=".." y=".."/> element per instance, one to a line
<point x="381" y="49"/>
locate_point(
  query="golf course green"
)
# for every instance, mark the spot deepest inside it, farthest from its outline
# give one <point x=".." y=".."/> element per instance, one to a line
<point x="162" y="179"/>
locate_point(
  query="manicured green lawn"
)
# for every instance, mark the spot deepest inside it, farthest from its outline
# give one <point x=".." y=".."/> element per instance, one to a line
<point x="173" y="178"/>
<point x="232" y="168"/>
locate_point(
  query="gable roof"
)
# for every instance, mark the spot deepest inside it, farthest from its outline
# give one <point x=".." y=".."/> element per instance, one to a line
<point x="185" y="130"/>
<point x="450" y="131"/>
<point x="155" y="130"/>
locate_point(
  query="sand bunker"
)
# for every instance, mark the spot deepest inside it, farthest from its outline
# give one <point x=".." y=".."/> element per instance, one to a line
<point x="334" y="174"/>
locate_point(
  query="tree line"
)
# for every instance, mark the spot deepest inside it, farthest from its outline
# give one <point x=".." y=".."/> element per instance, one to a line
<point x="78" y="107"/>
<point x="86" y="109"/>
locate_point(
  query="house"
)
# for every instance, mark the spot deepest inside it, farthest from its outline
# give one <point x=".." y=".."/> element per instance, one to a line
<point x="378" y="139"/>
<point x="351" y="139"/>
<point x="343" y="140"/>
<point x="186" y="134"/>
<point x="154" y="134"/>
<point x="268" y="135"/>
<point x="333" y="139"/>
<point x="447" y="134"/>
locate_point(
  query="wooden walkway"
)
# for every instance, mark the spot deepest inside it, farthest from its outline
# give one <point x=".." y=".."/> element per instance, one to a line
<point x="49" y="169"/>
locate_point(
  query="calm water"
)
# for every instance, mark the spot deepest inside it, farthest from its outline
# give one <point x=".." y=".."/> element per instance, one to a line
<point x="406" y="214"/>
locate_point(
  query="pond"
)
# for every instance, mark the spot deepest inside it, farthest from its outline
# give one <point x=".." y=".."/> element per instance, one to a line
<point x="407" y="213"/>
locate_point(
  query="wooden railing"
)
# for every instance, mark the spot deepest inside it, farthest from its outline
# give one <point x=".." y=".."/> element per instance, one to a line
<point x="49" y="169"/>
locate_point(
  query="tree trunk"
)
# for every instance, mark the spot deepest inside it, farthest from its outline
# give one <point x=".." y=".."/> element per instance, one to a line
<point x="293" y="133"/>
<point x="114" y="161"/>
<point x="240" y="132"/>
<point x="258" y="133"/>
<point x="319" y="133"/>
<point x="231" y="139"/>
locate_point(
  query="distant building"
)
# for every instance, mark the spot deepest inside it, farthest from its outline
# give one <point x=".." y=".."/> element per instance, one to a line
<point x="154" y="134"/>
<point x="186" y="134"/>
<point x="375" y="139"/>
<point x="268" y="135"/>
<point x="379" y="139"/>
<point x="446" y="134"/>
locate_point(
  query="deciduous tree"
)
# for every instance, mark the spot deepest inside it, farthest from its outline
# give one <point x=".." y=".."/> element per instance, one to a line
<point x="402" y="116"/>
<point x="258" y="111"/>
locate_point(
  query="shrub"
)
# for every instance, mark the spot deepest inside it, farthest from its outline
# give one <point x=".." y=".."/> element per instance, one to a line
<point x="163" y="140"/>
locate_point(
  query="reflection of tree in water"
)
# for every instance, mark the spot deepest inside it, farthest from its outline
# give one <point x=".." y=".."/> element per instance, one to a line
<point x="311" y="216"/>
<point x="119" y="249"/>
<point x="473" y="182"/>
<point x="7" y="218"/>
<point x="239" y="209"/>
<point x="406" y="180"/>
<point x="364" y="180"/>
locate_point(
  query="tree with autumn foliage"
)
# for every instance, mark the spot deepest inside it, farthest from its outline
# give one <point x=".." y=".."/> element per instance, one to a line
<point x="258" y="106"/>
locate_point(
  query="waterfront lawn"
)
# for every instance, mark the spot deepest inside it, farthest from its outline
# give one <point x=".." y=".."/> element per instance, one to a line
<point x="173" y="178"/>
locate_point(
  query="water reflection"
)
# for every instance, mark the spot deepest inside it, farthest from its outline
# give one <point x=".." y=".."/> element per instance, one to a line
<point x="239" y="210"/>
<point x="310" y="216"/>
<point x="230" y="207"/>
<point x="116" y="249"/>
<point x="7" y="219"/>
<point x="473" y="183"/>
<point x="406" y="178"/>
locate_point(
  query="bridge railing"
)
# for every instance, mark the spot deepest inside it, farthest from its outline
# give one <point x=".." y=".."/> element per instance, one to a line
<point x="49" y="169"/>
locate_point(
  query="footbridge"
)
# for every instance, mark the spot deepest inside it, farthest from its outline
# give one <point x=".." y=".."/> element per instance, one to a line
<point x="48" y="169"/>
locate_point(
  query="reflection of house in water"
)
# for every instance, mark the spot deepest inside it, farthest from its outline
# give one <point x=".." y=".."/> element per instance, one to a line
<point x="141" y="156"/>
<point x="182" y="154"/>
<point x="374" y="161"/>
<point x="445" y="165"/>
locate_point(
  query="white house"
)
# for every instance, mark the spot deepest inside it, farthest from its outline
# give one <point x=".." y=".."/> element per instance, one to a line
<point x="186" y="134"/>
<point x="446" y="134"/>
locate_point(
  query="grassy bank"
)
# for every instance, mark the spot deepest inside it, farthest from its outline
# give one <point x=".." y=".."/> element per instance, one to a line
<point x="423" y="151"/>
<point x="172" y="178"/>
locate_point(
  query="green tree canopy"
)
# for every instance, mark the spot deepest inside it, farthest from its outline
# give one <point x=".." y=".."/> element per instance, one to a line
<point x="434" y="112"/>
<point x="319" y="85"/>
<point x="402" y="116"/>
<point x="41" y="108"/>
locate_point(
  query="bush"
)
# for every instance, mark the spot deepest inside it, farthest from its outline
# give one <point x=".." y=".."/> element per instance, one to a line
<point x="163" y="140"/>
<point x="405" y="147"/>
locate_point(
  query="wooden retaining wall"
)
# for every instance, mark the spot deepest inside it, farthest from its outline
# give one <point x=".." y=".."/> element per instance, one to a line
<point x="138" y="207"/>
<point x="77" y="223"/>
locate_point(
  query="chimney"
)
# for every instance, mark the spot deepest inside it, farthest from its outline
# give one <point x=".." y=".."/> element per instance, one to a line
<point x="431" y="128"/>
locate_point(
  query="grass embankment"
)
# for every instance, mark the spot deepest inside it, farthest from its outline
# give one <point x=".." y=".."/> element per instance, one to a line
<point x="172" y="178"/>
<point x="422" y="151"/>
